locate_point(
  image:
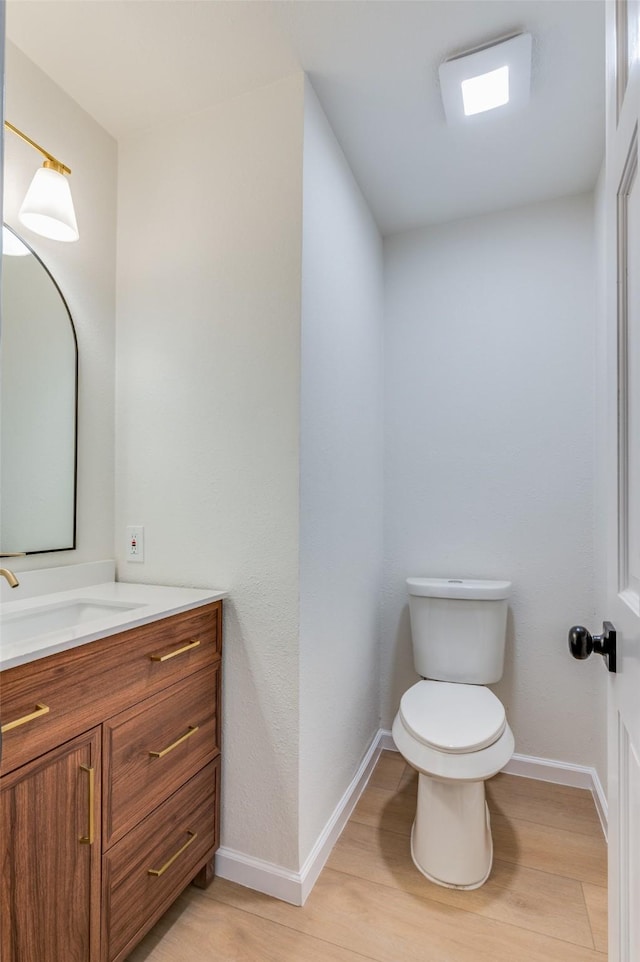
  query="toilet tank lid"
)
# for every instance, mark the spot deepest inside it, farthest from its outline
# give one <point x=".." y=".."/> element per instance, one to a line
<point x="459" y="588"/>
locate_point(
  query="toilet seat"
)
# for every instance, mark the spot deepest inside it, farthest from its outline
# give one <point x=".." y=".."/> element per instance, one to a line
<point x="452" y="718"/>
<point x="462" y="765"/>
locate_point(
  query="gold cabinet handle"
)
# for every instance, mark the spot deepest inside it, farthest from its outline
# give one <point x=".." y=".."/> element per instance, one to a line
<point x="178" y="651"/>
<point x="88" y="838"/>
<point x="165" y="751"/>
<point x="40" y="710"/>
<point x="161" y="871"/>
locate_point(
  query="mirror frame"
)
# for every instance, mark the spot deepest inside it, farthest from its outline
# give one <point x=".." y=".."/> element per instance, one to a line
<point x="73" y="545"/>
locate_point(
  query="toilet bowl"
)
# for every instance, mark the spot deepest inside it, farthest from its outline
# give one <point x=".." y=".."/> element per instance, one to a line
<point x="456" y="736"/>
<point x="450" y="727"/>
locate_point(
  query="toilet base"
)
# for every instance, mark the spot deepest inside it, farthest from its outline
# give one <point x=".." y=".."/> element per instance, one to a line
<point x="451" y="842"/>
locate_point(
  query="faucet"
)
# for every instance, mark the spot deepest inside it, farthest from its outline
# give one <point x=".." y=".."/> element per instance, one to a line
<point x="11" y="578"/>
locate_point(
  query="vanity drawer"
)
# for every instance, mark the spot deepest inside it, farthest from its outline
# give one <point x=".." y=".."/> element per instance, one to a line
<point x="174" y="842"/>
<point x="62" y="695"/>
<point x="150" y="750"/>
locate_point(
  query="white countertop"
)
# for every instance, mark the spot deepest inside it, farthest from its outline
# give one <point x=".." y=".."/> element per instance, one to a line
<point x="141" y="604"/>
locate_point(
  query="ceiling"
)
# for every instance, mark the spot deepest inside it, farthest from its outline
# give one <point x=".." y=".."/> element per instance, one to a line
<point x="135" y="64"/>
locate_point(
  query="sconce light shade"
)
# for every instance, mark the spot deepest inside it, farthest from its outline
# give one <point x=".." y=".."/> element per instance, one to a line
<point x="48" y="208"/>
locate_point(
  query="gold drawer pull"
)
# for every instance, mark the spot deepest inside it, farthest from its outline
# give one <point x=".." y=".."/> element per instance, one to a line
<point x="40" y="710"/>
<point x="88" y="838"/>
<point x="165" y="751"/>
<point x="178" y="651"/>
<point x="161" y="871"/>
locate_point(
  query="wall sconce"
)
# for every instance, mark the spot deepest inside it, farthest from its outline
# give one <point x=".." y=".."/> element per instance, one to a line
<point x="47" y="208"/>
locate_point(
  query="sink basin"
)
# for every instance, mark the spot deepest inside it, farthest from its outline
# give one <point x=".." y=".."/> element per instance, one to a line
<point x="58" y="609"/>
<point x="22" y="625"/>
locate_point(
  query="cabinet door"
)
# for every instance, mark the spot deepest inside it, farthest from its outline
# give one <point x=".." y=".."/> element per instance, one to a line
<point x="50" y="856"/>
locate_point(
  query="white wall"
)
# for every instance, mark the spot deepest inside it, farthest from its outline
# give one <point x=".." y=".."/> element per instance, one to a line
<point x="208" y="361"/>
<point x="340" y="476"/>
<point x="85" y="273"/>
<point x="489" y="449"/>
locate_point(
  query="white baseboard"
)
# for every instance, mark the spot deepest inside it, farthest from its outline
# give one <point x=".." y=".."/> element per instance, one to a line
<point x="254" y="873"/>
<point x="386" y="741"/>
<point x="286" y="884"/>
<point x="314" y="863"/>
<point x="294" y="887"/>
<point x="562" y="773"/>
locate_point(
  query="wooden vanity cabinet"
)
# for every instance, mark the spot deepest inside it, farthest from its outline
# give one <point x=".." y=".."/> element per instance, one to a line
<point x="109" y="798"/>
<point x="50" y="894"/>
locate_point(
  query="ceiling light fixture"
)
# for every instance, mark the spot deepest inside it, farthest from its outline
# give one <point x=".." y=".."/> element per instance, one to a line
<point x="47" y="208"/>
<point x="485" y="92"/>
<point x="496" y="75"/>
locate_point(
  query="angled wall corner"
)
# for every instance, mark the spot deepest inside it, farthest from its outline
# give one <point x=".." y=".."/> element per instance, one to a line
<point x="341" y="471"/>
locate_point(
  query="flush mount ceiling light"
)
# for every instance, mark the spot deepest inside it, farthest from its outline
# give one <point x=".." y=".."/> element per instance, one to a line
<point x="47" y="208"/>
<point x="496" y="75"/>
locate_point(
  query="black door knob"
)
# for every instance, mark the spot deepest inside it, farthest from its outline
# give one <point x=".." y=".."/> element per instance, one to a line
<point x="582" y="643"/>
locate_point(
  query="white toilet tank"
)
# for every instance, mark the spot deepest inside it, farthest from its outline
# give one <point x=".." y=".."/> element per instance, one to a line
<point x="458" y="628"/>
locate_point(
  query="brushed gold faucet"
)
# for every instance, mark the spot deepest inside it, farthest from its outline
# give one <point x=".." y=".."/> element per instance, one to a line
<point x="10" y="577"/>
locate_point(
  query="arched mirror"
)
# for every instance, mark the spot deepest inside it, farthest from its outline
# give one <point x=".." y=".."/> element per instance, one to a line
<point x="38" y="394"/>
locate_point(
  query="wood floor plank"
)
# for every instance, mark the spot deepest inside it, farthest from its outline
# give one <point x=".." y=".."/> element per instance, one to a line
<point x="538" y="846"/>
<point x="596" y="897"/>
<point x="388" y="771"/>
<point x="198" y="929"/>
<point x="559" y="806"/>
<point x="389" y="925"/>
<point x="548" y="849"/>
<point x="391" y="811"/>
<point x="533" y="900"/>
<point x="544" y="902"/>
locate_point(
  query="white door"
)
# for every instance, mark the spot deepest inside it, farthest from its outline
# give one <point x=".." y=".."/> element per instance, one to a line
<point x="623" y="466"/>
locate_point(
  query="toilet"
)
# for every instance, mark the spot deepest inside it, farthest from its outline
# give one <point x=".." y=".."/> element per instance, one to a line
<point x="453" y="729"/>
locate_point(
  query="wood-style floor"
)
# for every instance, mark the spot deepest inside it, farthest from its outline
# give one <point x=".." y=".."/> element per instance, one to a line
<point x="546" y="899"/>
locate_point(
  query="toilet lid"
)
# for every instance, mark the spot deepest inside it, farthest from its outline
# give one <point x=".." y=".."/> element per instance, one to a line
<point x="452" y="717"/>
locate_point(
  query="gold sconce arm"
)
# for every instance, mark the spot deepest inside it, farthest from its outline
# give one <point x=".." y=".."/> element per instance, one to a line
<point x="47" y="208"/>
<point x="50" y="161"/>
